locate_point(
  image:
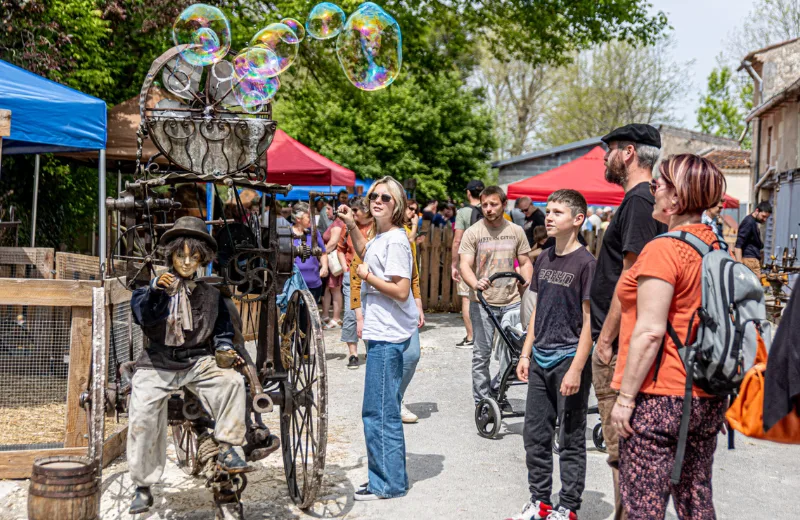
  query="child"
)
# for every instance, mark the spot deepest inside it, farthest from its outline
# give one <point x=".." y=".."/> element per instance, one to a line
<point x="553" y="362"/>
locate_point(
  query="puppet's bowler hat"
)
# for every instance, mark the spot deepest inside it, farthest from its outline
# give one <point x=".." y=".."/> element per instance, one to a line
<point x="189" y="227"/>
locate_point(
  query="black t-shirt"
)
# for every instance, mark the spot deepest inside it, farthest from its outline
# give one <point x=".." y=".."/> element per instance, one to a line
<point x="749" y="238"/>
<point x="531" y="221"/>
<point x="632" y="227"/>
<point x="562" y="283"/>
<point x="551" y="241"/>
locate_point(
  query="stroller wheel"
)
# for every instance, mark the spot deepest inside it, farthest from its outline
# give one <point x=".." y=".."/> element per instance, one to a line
<point x="487" y="418"/>
<point x="597" y="437"/>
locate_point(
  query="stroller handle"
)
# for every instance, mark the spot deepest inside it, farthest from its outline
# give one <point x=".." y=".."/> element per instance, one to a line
<point x="495" y="276"/>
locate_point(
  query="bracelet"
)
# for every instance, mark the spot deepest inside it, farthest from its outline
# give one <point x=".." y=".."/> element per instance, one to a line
<point x="523" y="356"/>
<point x="628" y="406"/>
<point x="367" y="277"/>
<point x="629" y="396"/>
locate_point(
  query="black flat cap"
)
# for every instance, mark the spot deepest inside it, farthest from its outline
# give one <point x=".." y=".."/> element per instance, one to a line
<point x="475" y="185"/>
<point x="636" y="133"/>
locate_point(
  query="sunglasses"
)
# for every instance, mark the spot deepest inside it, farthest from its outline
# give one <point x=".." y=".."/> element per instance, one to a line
<point x="385" y="197"/>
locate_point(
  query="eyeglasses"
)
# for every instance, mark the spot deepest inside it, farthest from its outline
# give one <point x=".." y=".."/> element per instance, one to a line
<point x="653" y="187"/>
<point x="385" y="197"/>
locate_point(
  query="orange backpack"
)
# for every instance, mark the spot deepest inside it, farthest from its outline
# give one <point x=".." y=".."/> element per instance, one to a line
<point x="746" y="414"/>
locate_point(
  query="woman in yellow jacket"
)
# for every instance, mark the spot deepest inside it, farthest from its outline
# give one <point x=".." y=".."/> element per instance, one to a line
<point x="412" y="353"/>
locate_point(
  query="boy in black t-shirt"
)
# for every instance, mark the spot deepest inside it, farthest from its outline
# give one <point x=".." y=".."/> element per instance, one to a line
<point x="554" y="362"/>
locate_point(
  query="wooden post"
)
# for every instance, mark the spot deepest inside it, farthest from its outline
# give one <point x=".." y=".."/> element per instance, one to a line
<point x="447" y="281"/>
<point x="435" y="267"/>
<point x="423" y="251"/>
<point x="80" y="357"/>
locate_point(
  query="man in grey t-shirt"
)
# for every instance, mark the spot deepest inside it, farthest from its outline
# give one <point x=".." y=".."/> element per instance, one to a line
<point x="464" y="218"/>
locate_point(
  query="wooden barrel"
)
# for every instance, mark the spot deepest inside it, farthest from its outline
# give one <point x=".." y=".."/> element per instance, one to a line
<point x="63" y="488"/>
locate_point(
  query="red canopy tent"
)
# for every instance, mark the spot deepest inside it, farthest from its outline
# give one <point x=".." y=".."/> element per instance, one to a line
<point x="291" y="162"/>
<point x="585" y="174"/>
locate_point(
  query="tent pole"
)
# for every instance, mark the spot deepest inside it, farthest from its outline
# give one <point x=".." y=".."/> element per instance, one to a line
<point x="119" y="190"/>
<point x="210" y="213"/>
<point x="101" y="205"/>
<point x="36" y="162"/>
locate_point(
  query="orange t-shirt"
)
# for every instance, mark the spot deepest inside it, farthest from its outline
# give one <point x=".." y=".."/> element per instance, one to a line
<point x="677" y="263"/>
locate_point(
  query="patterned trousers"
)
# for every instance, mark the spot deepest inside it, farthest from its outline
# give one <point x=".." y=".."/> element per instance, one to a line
<point x="647" y="457"/>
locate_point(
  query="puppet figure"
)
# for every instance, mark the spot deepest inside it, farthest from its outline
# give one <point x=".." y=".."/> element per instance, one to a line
<point x="190" y="346"/>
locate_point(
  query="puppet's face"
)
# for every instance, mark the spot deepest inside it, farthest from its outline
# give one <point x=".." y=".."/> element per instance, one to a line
<point x="185" y="262"/>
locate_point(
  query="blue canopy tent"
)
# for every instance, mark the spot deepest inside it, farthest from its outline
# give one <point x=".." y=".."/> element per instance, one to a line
<point x="47" y="117"/>
<point x="301" y="192"/>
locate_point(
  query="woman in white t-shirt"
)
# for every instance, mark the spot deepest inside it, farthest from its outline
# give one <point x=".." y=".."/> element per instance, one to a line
<point x="390" y="319"/>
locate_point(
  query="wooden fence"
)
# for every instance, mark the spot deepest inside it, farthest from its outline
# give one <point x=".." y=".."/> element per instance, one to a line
<point x="435" y="255"/>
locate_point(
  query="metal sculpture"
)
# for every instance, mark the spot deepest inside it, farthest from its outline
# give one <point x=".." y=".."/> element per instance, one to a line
<point x="204" y="142"/>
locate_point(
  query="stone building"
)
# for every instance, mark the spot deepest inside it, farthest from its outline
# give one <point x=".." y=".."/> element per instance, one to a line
<point x="673" y="140"/>
<point x="775" y="123"/>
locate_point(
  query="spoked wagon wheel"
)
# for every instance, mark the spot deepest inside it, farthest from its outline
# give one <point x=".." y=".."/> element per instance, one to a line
<point x="304" y="417"/>
<point x="184" y="437"/>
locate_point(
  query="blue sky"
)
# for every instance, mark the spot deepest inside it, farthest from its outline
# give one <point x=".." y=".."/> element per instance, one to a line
<point x="701" y="30"/>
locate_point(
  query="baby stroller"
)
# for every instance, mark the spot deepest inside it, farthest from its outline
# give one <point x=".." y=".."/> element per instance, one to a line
<point x="490" y="411"/>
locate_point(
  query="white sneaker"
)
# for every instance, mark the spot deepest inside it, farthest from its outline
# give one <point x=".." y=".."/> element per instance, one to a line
<point x="407" y="415"/>
<point x="535" y="511"/>
<point x="562" y="514"/>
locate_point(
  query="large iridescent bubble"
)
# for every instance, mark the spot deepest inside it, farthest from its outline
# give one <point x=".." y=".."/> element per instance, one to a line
<point x="206" y="30"/>
<point x="296" y="26"/>
<point x="281" y="40"/>
<point x="254" y="94"/>
<point x="325" y="21"/>
<point x="255" y="63"/>
<point x="370" y="48"/>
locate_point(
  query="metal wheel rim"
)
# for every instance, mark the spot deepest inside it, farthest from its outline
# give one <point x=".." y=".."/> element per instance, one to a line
<point x="304" y="427"/>
<point x="488" y="425"/>
<point x="185" y="439"/>
<point x="597" y="437"/>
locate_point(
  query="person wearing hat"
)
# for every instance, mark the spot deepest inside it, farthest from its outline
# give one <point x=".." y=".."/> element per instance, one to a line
<point x="190" y="335"/>
<point x="633" y="151"/>
<point x="465" y="217"/>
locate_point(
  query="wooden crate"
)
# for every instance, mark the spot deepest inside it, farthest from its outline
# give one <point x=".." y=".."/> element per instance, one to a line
<point x="27" y="262"/>
<point x="77" y="296"/>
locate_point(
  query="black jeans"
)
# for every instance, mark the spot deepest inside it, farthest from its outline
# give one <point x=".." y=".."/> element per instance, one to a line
<point x="544" y="404"/>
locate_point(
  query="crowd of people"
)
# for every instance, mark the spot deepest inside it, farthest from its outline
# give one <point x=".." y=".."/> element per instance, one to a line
<point x="608" y="321"/>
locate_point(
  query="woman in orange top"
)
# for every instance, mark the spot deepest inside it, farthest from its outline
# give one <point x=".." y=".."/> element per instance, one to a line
<point x="664" y="284"/>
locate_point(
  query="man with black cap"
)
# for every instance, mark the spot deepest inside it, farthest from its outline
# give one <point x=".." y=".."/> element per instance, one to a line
<point x="190" y="335"/>
<point x="633" y="151"/>
<point x="465" y="217"/>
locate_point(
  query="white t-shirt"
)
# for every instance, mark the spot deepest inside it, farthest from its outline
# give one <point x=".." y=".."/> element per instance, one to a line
<point x="386" y="319"/>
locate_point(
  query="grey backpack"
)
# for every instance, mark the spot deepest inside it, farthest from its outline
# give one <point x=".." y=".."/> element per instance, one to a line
<point x="720" y="345"/>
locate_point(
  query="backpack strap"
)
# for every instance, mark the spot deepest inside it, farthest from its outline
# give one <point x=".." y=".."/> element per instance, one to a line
<point x="675" y="339"/>
<point x="683" y="433"/>
<point x="692" y="240"/>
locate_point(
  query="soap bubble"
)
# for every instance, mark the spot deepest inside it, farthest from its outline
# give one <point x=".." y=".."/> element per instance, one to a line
<point x="325" y="21"/>
<point x="181" y="78"/>
<point x="370" y="48"/>
<point x="281" y="40"/>
<point x="206" y="30"/>
<point x="254" y="94"/>
<point x="296" y="26"/>
<point x="256" y="63"/>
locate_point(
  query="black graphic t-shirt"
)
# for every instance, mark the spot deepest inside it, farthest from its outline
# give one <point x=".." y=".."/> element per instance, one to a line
<point x="562" y="284"/>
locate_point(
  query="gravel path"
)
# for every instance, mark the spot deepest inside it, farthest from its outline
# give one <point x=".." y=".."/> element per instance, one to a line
<point x="454" y="473"/>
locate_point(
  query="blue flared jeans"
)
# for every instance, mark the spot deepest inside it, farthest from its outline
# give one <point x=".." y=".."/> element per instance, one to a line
<point x="380" y="412"/>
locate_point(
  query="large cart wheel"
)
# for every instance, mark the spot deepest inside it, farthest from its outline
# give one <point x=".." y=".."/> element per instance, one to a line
<point x="184" y="437"/>
<point x="487" y="418"/>
<point x="304" y="417"/>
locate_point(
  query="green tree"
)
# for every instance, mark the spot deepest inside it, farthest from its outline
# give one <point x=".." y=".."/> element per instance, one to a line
<point x="724" y="106"/>
<point x="439" y="135"/>
<point x="611" y="86"/>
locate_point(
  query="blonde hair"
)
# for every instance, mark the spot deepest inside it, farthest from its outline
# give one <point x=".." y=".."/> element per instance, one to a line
<point x="397" y="193"/>
<point x="698" y="183"/>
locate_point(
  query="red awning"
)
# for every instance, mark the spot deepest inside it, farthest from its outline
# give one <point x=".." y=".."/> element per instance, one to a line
<point x="730" y="202"/>
<point x="291" y="162"/>
<point x="585" y="174"/>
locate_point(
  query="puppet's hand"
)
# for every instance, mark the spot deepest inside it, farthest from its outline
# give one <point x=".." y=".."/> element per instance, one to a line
<point x="226" y="357"/>
<point x="165" y="280"/>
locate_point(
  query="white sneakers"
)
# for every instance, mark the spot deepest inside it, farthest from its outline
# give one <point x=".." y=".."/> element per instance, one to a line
<point x="535" y="511"/>
<point x="407" y="415"/>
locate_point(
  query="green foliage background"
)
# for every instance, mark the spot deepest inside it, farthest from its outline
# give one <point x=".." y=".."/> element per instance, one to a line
<point x="429" y="124"/>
